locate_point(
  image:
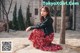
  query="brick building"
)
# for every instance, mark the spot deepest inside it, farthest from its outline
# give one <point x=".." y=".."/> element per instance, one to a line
<point x="35" y="12"/>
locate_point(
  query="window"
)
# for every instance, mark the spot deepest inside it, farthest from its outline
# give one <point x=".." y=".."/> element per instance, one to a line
<point x="36" y="11"/>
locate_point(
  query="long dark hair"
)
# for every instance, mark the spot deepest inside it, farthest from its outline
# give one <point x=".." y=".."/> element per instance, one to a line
<point x="47" y="10"/>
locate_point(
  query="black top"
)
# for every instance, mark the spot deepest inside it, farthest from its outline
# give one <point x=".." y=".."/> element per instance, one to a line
<point x="46" y="25"/>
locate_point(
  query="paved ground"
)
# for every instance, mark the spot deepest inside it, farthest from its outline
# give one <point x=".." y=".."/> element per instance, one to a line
<point x="23" y="34"/>
<point x="22" y="45"/>
<point x="30" y="49"/>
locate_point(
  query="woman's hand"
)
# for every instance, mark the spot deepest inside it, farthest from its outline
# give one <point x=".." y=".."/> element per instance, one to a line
<point x="28" y="29"/>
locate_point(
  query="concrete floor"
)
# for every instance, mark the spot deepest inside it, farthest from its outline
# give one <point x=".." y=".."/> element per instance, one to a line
<point x="21" y="44"/>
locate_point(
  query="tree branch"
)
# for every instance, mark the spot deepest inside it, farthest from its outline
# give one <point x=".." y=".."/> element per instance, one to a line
<point x="10" y="6"/>
<point x="3" y="6"/>
<point x="3" y="11"/>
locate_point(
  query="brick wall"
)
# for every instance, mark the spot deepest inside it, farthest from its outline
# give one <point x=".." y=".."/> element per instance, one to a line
<point x="78" y="17"/>
<point x="59" y="23"/>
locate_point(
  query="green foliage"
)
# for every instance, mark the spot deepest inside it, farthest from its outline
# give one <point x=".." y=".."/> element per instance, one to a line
<point x="28" y="23"/>
<point x="10" y="25"/>
<point x="20" y="20"/>
<point x="15" y="22"/>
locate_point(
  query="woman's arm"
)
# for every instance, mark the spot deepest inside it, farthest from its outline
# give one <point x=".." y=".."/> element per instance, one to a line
<point x="42" y="25"/>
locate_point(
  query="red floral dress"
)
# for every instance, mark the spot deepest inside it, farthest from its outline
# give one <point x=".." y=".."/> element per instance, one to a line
<point x="43" y="43"/>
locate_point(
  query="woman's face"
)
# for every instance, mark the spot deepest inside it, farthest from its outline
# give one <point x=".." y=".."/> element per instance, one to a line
<point x="43" y="12"/>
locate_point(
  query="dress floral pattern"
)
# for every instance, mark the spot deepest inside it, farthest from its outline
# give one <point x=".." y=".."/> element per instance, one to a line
<point x="42" y="41"/>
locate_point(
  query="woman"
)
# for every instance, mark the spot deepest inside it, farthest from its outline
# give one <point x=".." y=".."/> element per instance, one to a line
<point x="43" y="33"/>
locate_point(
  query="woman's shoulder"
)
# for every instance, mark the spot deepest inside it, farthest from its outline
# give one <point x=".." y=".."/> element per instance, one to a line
<point x="50" y="18"/>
